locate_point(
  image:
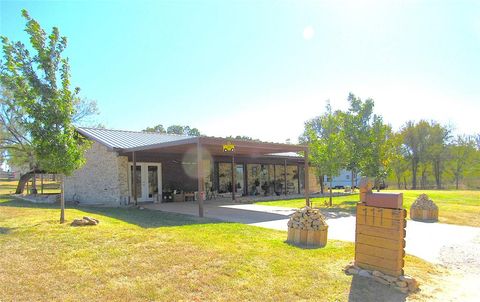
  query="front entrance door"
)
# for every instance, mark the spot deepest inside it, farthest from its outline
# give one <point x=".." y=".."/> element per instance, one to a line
<point x="148" y="181"/>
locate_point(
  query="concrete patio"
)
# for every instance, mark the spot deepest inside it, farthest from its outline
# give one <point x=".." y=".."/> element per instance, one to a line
<point x="424" y="240"/>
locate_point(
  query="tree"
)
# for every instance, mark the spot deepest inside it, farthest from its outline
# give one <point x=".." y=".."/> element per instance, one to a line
<point x="462" y="153"/>
<point x="326" y="142"/>
<point x="379" y="152"/>
<point x="183" y="130"/>
<point x="357" y="124"/>
<point x="40" y="85"/>
<point x="157" y="129"/>
<point x="437" y="150"/>
<point x="242" y="138"/>
<point x="398" y="163"/>
<point x="415" y="142"/>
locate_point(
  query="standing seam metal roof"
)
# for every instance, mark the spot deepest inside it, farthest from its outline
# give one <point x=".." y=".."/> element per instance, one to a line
<point x="120" y="139"/>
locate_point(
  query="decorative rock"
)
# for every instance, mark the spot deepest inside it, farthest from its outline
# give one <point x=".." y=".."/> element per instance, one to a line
<point x="389" y="278"/>
<point x="377" y="274"/>
<point x="404" y="284"/>
<point x="381" y="280"/>
<point x="84" y="221"/>
<point x="307" y="219"/>
<point x="402" y="289"/>
<point x="352" y="271"/>
<point x="364" y="273"/>
<point x="424" y="209"/>
<point x="401" y="283"/>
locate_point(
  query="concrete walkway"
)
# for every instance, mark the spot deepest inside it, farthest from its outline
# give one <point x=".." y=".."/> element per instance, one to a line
<point x="424" y="240"/>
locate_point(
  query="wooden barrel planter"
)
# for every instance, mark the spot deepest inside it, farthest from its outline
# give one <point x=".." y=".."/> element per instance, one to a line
<point x="424" y="214"/>
<point x="308" y="238"/>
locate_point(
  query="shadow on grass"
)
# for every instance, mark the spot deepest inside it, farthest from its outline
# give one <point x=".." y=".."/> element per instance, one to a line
<point x="143" y="218"/>
<point x="4" y="231"/>
<point x="344" y="209"/>
<point x="148" y="218"/>
<point x="366" y="289"/>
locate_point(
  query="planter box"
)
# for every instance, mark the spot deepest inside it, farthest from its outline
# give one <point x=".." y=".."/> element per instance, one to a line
<point x="430" y="215"/>
<point x="308" y="238"/>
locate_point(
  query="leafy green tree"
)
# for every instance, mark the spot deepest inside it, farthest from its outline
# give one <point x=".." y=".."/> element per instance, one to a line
<point x="379" y="152"/>
<point x="398" y="163"/>
<point x="415" y="142"/>
<point x="183" y="130"/>
<point x="327" y="143"/>
<point x="357" y="125"/>
<point x="437" y="150"/>
<point x="462" y="156"/>
<point x="157" y="129"/>
<point x="40" y="85"/>
<point x="242" y="138"/>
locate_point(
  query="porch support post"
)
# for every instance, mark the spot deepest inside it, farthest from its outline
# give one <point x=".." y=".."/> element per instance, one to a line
<point x="134" y="177"/>
<point x="200" y="177"/>
<point x="234" y="177"/>
<point x="285" y="175"/>
<point x="307" y="185"/>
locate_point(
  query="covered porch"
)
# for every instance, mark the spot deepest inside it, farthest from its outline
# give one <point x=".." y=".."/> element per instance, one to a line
<point x="216" y="168"/>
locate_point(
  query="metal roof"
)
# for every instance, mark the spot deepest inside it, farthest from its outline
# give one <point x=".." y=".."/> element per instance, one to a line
<point x="120" y="139"/>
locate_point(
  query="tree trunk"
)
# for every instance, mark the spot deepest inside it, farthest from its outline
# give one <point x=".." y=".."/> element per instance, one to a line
<point x="322" y="184"/>
<point x="24" y="180"/>
<point x="405" y="182"/>
<point x="330" y="199"/>
<point x="456" y="181"/>
<point x="353" y="181"/>
<point x="62" y="200"/>
<point x="414" y="174"/>
<point x="438" y="174"/>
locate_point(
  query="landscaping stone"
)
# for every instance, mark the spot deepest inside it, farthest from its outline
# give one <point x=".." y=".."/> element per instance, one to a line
<point x="364" y="273"/>
<point x="405" y="284"/>
<point x="352" y="271"/>
<point x="85" y="221"/>
<point x="377" y="274"/>
<point x="307" y="219"/>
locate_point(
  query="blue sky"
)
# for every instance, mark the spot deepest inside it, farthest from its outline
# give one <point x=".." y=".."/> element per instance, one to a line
<point x="261" y="68"/>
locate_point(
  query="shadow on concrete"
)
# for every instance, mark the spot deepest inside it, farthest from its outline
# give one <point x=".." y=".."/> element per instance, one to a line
<point x="223" y="211"/>
<point x="365" y="289"/>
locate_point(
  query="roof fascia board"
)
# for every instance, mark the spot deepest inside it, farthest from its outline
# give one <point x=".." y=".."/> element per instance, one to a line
<point x="179" y="142"/>
<point x="258" y="145"/>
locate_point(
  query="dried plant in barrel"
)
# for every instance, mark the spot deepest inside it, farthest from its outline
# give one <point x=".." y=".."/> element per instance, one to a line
<point x="424" y="209"/>
<point x="307" y="227"/>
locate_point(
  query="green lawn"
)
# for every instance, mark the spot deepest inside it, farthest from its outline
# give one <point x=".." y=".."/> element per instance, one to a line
<point x="142" y="255"/>
<point x="8" y="186"/>
<point x="455" y="207"/>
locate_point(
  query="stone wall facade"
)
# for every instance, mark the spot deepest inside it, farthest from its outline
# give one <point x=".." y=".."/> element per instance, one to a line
<point x="102" y="180"/>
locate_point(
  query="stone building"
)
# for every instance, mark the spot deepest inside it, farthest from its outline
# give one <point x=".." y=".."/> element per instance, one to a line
<point x="168" y="164"/>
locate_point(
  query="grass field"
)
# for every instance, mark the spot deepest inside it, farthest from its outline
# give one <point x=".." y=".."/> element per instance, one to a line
<point x="142" y="255"/>
<point x="8" y="186"/>
<point x="455" y="207"/>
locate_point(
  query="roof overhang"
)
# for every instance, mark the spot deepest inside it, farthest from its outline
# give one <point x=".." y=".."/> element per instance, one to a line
<point x="214" y="146"/>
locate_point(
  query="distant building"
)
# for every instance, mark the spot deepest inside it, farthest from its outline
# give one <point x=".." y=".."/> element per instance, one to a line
<point x="342" y="180"/>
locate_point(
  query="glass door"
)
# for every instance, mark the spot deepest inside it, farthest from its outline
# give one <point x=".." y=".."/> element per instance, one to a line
<point x="148" y="181"/>
<point x="240" y="179"/>
<point x="152" y="181"/>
